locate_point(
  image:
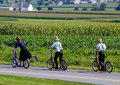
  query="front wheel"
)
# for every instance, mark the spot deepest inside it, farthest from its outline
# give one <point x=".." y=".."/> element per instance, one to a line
<point x="14" y="63"/>
<point x="26" y="64"/>
<point x="95" y="66"/>
<point x="50" y="64"/>
<point x="109" y="67"/>
<point x="63" y="65"/>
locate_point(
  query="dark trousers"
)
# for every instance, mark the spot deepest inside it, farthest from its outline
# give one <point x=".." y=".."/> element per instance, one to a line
<point x="58" y="54"/>
<point x="102" y="59"/>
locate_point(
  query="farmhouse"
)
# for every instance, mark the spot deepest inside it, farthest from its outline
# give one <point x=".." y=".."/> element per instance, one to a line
<point x="59" y="3"/>
<point x="23" y="6"/>
<point x="75" y="1"/>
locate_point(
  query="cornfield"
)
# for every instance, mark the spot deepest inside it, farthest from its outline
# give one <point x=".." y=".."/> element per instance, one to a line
<point x="61" y="29"/>
<point x="71" y="42"/>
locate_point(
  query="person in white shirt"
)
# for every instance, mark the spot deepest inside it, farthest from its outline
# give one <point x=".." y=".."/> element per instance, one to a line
<point x="101" y="48"/>
<point x="59" y="50"/>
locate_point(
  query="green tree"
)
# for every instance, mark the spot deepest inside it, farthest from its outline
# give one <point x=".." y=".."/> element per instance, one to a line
<point x="102" y="6"/>
<point x="84" y="9"/>
<point x="16" y="1"/>
<point x="94" y="7"/>
<point x="67" y="1"/>
<point x="27" y="1"/>
<point x="50" y="2"/>
<point x="6" y="1"/>
<point x="50" y="8"/>
<point x="39" y="8"/>
<point x="76" y="8"/>
<point x="40" y="2"/>
<point x="1" y="1"/>
<point x="118" y="7"/>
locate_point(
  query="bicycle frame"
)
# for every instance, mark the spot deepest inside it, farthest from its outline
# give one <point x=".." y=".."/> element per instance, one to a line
<point x="53" y="62"/>
<point x="96" y="59"/>
<point x="51" y="54"/>
<point x="51" y="58"/>
<point x="16" y="59"/>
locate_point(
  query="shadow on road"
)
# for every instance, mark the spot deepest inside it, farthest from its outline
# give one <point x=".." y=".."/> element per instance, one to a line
<point x="85" y="72"/>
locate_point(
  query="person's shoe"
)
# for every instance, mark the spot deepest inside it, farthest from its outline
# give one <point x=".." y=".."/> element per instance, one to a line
<point x="36" y="58"/>
<point x="19" y="66"/>
<point x="55" y="68"/>
<point x="101" y="70"/>
<point x="60" y="67"/>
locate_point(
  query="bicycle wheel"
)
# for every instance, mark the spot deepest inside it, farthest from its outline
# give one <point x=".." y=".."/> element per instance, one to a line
<point x="26" y="64"/>
<point x="50" y="64"/>
<point x="109" y="67"/>
<point x="14" y="63"/>
<point x="95" y="66"/>
<point x="63" y="65"/>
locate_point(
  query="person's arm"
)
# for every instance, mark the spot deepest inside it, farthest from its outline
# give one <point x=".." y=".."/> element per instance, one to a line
<point x="97" y="47"/>
<point x="61" y="46"/>
<point x="104" y="46"/>
<point x="16" y="45"/>
<point x="53" y="45"/>
<point x="12" y="52"/>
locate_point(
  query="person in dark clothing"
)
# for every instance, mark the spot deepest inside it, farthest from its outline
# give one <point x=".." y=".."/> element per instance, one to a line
<point x="101" y="48"/>
<point x="59" y="51"/>
<point x="24" y="53"/>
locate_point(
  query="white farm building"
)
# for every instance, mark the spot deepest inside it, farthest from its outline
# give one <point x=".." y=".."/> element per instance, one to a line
<point x="21" y="7"/>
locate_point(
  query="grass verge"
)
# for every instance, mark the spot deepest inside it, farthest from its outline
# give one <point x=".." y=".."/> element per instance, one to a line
<point x="15" y="80"/>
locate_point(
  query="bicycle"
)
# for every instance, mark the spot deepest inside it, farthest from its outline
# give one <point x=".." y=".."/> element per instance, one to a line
<point x="51" y="63"/>
<point x="96" y="65"/>
<point x="26" y="62"/>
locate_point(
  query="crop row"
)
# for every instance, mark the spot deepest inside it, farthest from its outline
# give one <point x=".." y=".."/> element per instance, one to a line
<point x="80" y="12"/>
<point x="61" y="29"/>
<point x="71" y="42"/>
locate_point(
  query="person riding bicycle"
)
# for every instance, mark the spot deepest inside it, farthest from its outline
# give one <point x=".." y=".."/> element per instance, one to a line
<point x="101" y="48"/>
<point x="59" y="51"/>
<point x="24" y="53"/>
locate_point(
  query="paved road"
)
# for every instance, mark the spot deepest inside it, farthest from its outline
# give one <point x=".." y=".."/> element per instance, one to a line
<point x="103" y="78"/>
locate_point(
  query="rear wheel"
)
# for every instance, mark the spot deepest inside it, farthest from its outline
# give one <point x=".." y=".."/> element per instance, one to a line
<point x="109" y="67"/>
<point x="26" y="64"/>
<point x="50" y="64"/>
<point x="63" y="65"/>
<point x="95" y="66"/>
<point x="14" y="63"/>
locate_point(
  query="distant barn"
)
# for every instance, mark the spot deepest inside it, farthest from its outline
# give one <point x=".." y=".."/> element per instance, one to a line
<point x="23" y="6"/>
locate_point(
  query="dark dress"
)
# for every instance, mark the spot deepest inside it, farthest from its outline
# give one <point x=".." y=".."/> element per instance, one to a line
<point x="24" y="53"/>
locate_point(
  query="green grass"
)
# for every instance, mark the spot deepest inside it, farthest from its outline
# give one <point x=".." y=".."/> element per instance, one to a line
<point x="15" y="80"/>
<point x="60" y="15"/>
<point x="45" y="21"/>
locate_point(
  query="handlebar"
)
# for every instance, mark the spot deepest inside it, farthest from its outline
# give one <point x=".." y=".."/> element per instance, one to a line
<point x="96" y="52"/>
<point x="50" y="48"/>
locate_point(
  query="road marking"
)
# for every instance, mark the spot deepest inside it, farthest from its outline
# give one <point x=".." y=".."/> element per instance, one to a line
<point x="59" y="75"/>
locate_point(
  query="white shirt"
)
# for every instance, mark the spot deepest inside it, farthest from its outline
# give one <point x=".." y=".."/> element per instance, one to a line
<point x="57" y="45"/>
<point x="101" y="47"/>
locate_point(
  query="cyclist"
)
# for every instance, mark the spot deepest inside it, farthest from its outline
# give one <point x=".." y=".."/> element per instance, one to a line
<point x="101" y="48"/>
<point x="24" y="53"/>
<point x="59" y="51"/>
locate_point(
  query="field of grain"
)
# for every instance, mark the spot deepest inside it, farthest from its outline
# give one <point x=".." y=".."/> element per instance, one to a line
<point x="90" y="16"/>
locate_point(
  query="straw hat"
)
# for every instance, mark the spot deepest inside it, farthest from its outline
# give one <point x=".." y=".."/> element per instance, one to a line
<point x="99" y="40"/>
<point x="56" y="38"/>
